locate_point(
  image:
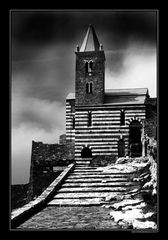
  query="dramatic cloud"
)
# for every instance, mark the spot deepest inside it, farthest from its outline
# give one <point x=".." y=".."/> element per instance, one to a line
<point x="33" y="119"/>
<point x="66" y="26"/>
<point x="43" y="74"/>
<point x="136" y="69"/>
<point x="22" y="137"/>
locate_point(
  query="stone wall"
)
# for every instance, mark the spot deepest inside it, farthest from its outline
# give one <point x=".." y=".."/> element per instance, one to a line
<point x="62" y="139"/>
<point x="43" y="160"/>
<point x="51" y="154"/>
<point x="151" y="118"/>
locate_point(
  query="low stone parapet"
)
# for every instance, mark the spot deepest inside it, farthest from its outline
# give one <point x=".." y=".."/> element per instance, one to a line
<point x="18" y="216"/>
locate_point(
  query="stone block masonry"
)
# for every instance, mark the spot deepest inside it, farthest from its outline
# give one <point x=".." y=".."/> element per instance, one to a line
<point x="44" y="158"/>
<point x="96" y="77"/>
<point x="151" y="118"/>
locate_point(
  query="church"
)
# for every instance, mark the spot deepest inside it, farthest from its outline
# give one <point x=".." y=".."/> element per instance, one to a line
<point x="102" y="122"/>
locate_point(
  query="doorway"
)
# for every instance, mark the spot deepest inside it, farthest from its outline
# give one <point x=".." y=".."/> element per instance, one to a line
<point x="86" y="152"/>
<point x="121" y="148"/>
<point x="135" y="139"/>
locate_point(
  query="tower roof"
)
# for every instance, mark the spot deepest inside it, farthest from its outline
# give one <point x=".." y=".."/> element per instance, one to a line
<point x="90" y="42"/>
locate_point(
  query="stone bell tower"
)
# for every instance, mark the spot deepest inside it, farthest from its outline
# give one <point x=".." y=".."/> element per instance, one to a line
<point x="90" y="71"/>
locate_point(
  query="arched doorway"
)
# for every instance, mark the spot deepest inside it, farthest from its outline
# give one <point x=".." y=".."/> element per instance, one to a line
<point x="135" y="139"/>
<point x="86" y="152"/>
<point x="121" y="148"/>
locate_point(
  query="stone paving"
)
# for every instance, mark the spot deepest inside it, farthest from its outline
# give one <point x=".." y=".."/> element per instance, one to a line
<point x="72" y="218"/>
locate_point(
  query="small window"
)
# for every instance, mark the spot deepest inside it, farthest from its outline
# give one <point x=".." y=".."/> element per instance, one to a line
<point x="86" y="67"/>
<point x="122" y="118"/>
<point x="90" y="66"/>
<point x="73" y="122"/>
<point x="89" y="119"/>
<point x="89" y="87"/>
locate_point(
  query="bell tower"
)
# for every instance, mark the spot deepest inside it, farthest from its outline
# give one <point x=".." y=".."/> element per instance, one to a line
<point x="90" y="71"/>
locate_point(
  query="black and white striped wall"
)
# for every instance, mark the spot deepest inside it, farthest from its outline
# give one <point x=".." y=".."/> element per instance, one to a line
<point x="105" y="131"/>
<point x="70" y="118"/>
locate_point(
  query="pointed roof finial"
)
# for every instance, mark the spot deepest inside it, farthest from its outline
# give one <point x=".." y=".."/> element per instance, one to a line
<point x="90" y="42"/>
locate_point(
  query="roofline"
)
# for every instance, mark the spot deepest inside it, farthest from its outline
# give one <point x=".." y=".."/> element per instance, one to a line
<point x="123" y="88"/>
<point x="141" y="105"/>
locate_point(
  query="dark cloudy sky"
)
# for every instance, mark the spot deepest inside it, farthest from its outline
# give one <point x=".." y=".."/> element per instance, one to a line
<point x="43" y="68"/>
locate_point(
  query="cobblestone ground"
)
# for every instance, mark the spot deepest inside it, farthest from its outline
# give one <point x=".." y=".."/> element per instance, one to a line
<point x="76" y="218"/>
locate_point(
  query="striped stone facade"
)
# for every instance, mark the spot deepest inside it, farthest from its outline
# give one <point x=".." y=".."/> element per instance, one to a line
<point x="70" y="118"/>
<point x="105" y="131"/>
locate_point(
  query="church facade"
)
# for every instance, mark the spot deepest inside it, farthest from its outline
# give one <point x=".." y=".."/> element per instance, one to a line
<point x="100" y="121"/>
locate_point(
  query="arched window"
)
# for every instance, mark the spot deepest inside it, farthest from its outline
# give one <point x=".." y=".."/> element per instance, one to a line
<point x="122" y="118"/>
<point x="89" y="118"/>
<point x="90" y="66"/>
<point x="73" y="122"/>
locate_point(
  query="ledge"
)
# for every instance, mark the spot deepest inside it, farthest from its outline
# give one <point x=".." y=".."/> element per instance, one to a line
<point x="20" y="215"/>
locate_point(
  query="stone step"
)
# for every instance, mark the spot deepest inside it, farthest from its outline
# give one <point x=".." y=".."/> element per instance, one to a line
<point x="98" y="174"/>
<point x="86" y="170"/>
<point x="83" y="162"/>
<point x="92" y="189"/>
<point x="85" y="195"/>
<point x="95" y="180"/>
<point x="82" y="159"/>
<point x="76" y="202"/>
<point x="108" y="173"/>
<point x="93" y="176"/>
<point x="83" y="167"/>
<point x="114" y="184"/>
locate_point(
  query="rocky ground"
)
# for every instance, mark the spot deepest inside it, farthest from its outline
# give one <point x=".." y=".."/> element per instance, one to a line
<point x="138" y="208"/>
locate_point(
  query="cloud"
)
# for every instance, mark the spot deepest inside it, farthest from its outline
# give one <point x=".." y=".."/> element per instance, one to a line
<point x="48" y="74"/>
<point x="22" y="137"/>
<point x="41" y="27"/>
<point x="33" y="119"/>
<point x="138" y="70"/>
<point x="41" y="113"/>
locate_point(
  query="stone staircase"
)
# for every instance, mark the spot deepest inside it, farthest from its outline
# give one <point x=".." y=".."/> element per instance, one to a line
<point x="83" y="161"/>
<point x="89" y="186"/>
